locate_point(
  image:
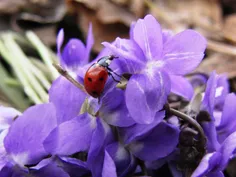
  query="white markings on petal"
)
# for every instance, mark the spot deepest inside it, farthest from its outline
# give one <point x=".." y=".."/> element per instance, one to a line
<point x="147" y="46"/>
<point x="162" y="90"/>
<point x="183" y="57"/>
<point x="219" y="91"/>
<point x="21" y="158"/>
<point x="152" y="66"/>
<point x="142" y="92"/>
<point x="183" y="53"/>
<point x="136" y="146"/>
<point x="121" y="153"/>
<point x="203" y="166"/>
<point x="93" y="123"/>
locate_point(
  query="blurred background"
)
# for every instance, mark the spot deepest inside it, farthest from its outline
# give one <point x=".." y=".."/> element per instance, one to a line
<point x="28" y="31"/>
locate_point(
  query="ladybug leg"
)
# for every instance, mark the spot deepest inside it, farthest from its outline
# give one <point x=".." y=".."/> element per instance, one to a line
<point x="111" y="71"/>
<point x="110" y="74"/>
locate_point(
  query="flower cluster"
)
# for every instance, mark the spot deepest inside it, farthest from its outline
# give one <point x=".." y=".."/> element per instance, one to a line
<point x="131" y="130"/>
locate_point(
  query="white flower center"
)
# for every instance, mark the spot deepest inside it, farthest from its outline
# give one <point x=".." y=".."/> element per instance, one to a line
<point x="153" y="66"/>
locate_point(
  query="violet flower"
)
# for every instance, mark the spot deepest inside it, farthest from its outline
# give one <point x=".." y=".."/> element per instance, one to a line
<point x="23" y="144"/>
<point x="215" y="162"/>
<point x="150" y="142"/>
<point x="153" y="58"/>
<point x="220" y="133"/>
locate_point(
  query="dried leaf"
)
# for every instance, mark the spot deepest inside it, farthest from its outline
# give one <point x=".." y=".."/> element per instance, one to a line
<point x="108" y="13"/>
<point x="47" y="34"/>
<point x="47" y="11"/>
<point x="230" y="28"/>
<point x="11" y="6"/>
<point x="102" y="32"/>
<point x="137" y="7"/>
<point x="182" y="14"/>
<point x="219" y="62"/>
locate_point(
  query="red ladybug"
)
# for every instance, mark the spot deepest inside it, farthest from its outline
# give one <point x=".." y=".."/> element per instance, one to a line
<point x="97" y="74"/>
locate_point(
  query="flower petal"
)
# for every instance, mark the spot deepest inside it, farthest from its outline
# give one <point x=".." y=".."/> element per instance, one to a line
<point x="50" y="170"/>
<point x="24" y="141"/>
<point x="181" y="86"/>
<point x="227" y="149"/>
<point x="157" y="144"/>
<point x="216" y="174"/>
<point x="3" y="154"/>
<point x="101" y="137"/>
<point x="74" y="55"/>
<point x="166" y="35"/>
<point x="148" y="35"/>
<point x="109" y="168"/>
<point x="130" y="55"/>
<point x="114" y="110"/>
<point x="211" y="134"/>
<point x="222" y="90"/>
<point x="183" y="52"/>
<point x="208" y="162"/>
<point x="7" y="115"/>
<point x="71" y="136"/>
<point x="13" y="171"/>
<point x="73" y="166"/>
<point x="146" y="94"/>
<point x="208" y="102"/>
<point x="60" y="39"/>
<point x="227" y="124"/>
<point x="124" y="161"/>
<point x="67" y="99"/>
<point x="129" y="134"/>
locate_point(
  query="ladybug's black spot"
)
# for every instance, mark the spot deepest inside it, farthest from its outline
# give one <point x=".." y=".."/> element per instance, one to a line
<point x="101" y="78"/>
<point x="89" y="79"/>
<point x="95" y="93"/>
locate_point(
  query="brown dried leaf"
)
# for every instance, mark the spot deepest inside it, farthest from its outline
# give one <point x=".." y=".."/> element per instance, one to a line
<point x="47" y="34"/>
<point x="182" y="14"/>
<point x="229" y="29"/>
<point x="111" y="13"/>
<point x="11" y="6"/>
<point x="101" y="32"/>
<point x="219" y="62"/>
<point x="44" y="11"/>
<point x="137" y="7"/>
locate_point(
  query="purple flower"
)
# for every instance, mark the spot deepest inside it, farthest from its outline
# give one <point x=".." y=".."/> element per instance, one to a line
<point x="214" y="163"/>
<point x="23" y="144"/>
<point x="7" y="116"/>
<point x="153" y="141"/>
<point x="75" y="54"/>
<point x="74" y="57"/>
<point x="66" y="97"/>
<point x="215" y="97"/>
<point x="220" y="130"/>
<point x="24" y="141"/>
<point x="154" y="57"/>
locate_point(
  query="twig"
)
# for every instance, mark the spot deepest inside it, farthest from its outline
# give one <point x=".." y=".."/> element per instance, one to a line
<point x="143" y="167"/>
<point x="222" y="48"/>
<point x="65" y="74"/>
<point x="190" y="120"/>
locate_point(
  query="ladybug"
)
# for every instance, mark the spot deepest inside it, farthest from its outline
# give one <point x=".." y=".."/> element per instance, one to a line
<point x="97" y="74"/>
